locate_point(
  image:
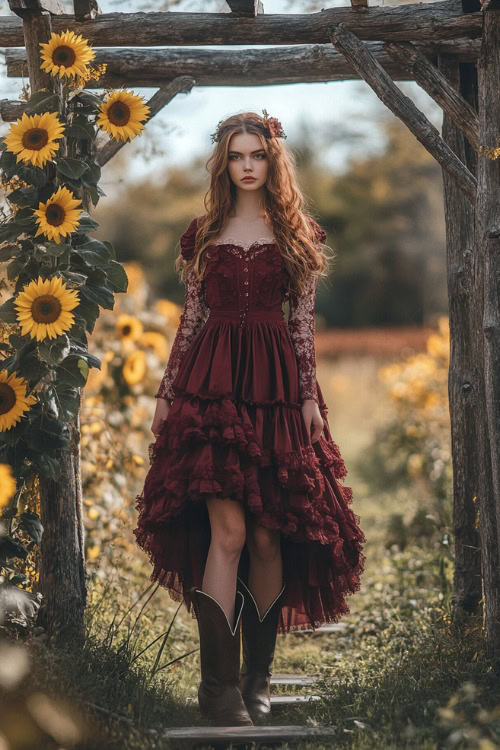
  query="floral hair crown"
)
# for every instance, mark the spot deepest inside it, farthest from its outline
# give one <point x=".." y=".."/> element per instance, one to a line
<point x="272" y="125"/>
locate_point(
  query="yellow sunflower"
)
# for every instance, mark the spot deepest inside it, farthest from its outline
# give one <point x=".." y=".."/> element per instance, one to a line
<point x="59" y="215"/>
<point x="157" y="342"/>
<point x="33" y="138"/>
<point x="7" y="484"/>
<point x="134" y="368"/>
<point x="66" y="54"/>
<point x="128" y="327"/>
<point x="122" y="114"/>
<point x="43" y="308"/>
<point x="13" y="399"/>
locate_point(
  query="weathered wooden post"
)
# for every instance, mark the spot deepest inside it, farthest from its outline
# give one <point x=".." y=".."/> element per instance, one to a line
<point x="62" y="566"/>
<point x="465" y="387"/>
<point x="488" y="244"/>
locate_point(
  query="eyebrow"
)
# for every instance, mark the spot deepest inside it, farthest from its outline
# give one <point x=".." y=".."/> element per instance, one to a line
<point x="240" y="154"/>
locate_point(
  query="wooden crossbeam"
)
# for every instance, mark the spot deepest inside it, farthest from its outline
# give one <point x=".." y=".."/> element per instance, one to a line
<point x="160" y="99"/>
<point x="277" y="66"/>
<point x="423" y="22"/>
<point x="438" y="87"/>
<point x="362" y="59"/>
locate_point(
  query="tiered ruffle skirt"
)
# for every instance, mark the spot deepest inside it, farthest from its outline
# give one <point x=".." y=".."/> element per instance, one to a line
<point x="235" y="430"/>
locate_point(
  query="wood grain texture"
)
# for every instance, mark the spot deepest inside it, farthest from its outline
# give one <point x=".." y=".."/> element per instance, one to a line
<point x="466" y="402"/>
<point x="436" y="22"/>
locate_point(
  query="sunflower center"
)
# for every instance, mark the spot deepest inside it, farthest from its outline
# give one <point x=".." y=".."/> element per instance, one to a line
<point x="119" y="113"/>
<point x="7" y="398"/>
<point x="64" y="56"/>
<point x="35" y="139"/>
<point x="46" y="309"/>
<point x="126" y="330"/>
<point x="54" y="214"/>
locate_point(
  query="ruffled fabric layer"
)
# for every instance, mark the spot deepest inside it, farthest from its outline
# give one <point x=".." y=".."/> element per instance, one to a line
<point x="256" y="362"/>
<point x="259" y="454"/>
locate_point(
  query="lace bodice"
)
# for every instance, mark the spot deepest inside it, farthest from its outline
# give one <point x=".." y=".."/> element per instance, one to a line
<point x="242" y="277"/>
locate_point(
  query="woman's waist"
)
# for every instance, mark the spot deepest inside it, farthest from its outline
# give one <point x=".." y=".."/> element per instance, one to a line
<point x="245" y="316"/>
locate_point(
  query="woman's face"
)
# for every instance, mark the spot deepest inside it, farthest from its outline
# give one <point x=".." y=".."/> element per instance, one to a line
<point x="247" y="158"/>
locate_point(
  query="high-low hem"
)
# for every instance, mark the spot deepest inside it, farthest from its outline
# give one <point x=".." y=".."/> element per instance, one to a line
<point x="223" y="447"/>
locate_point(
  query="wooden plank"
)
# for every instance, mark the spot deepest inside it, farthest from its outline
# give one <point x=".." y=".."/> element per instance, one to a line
<point x="332" y="627"/>
<point x="283" y="701"/>
<point x="424" y="22"/>
<point x="281" y="678"/>
<point x="438" y="87"/>
<point x="403" y="107"/>
<point x="249" y="734"/>
<point x="278" y="701"/>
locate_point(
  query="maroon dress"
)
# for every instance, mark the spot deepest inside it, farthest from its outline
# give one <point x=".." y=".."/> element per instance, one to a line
<point x="236" y="378"/>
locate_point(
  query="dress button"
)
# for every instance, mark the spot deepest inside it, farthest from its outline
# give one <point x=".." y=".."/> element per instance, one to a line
<point x="246" y="269"/>
<point x="246" y="294"/>
<point x="245" y="282"/>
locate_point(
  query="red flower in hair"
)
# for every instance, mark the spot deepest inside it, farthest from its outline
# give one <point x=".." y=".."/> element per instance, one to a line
<point x="273" y="125"/>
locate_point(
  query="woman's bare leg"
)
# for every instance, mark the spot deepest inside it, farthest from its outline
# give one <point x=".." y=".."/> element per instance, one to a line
<point x="265" y="579"/>
<point x="228" y="529"/>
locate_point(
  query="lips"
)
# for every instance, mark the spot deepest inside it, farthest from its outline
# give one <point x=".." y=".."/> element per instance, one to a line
<point x="248" y="179"/>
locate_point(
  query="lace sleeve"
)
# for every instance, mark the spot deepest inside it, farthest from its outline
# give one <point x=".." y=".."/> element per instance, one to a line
<point x="193" y="317"/>
<point x="301" y="323"/>
<point x="192" y="320"/>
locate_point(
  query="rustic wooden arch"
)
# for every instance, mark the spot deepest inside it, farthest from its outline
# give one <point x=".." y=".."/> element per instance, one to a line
<point x="452" y="50"/>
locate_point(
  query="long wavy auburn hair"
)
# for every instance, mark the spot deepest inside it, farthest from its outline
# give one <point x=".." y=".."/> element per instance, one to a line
<point x="283" y="206"/>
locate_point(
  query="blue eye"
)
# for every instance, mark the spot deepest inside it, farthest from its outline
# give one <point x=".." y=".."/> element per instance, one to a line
<point x="257" y="156"/>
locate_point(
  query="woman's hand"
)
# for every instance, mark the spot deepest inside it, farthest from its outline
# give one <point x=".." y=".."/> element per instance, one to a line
<point x="161" y="413"/>
<point x="313" y="419"/>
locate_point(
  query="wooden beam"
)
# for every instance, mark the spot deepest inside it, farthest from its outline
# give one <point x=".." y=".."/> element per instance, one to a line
<point x="438" y="87"/>
<point x="422" y="22"/>
<point x="488" y="242"/>
<point x="367" y="66"/>
<point x="246" y="8"/>
<point x="274" y="66"/>
<point x="160" y="99"/>
<point x="465" y="379"/>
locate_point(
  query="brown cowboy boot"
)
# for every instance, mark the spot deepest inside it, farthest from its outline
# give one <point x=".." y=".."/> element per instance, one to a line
<point x="219" y="696"/>
<point x="259" y="641"/>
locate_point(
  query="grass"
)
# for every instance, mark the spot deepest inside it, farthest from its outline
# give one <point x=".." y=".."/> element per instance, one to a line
<point x="402" y="674"/>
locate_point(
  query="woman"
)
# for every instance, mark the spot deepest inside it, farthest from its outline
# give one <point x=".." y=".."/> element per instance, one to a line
<point x="242" y="512"/>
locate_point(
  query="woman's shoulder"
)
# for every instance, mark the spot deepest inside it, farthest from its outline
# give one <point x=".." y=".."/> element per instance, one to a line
<point x="318" y="230"/>
<point x="188" y="237"/>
